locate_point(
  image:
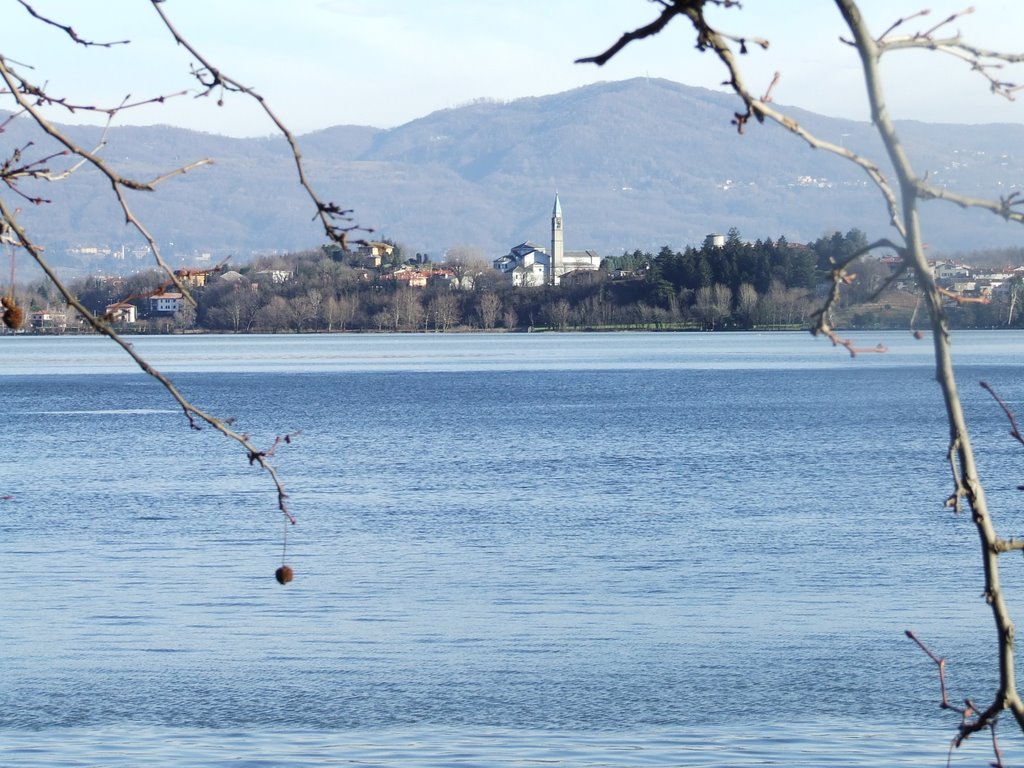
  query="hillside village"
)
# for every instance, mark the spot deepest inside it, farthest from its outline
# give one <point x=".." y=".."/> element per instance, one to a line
<point x="726" y="283"/>
<point x="443" y="297"/>
<point x="596" y="266"/>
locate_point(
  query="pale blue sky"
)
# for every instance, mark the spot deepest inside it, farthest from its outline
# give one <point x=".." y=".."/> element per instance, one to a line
<point x="385" y="62"/>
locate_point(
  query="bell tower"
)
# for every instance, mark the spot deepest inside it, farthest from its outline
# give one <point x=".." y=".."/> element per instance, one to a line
<point x="557" y="243"/>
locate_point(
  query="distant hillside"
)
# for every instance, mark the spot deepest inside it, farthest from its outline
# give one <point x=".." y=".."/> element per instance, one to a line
<point x="640" y="163"/>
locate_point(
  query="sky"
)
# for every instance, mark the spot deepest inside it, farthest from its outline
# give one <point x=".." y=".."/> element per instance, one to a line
<point x="382" y="63"/>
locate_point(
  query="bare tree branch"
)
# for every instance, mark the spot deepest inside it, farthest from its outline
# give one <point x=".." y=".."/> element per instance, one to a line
<point x="759" y="108"/>
<point x="335" y="220"/>
<point x="68" y="30"/>
<point x="902" y="196"/>
<point x="670" y="11"/>
<point x="191" y="412"/>
<point x="983" y="61"/>
<point x="118" y="182"/>
<point x="31" y="99"/>
<point x="969" y="485"/>
<point x="1014" y="432"/>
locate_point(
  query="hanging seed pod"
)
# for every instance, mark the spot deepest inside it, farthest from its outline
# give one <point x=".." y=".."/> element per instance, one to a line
<point x="284" y="574"/>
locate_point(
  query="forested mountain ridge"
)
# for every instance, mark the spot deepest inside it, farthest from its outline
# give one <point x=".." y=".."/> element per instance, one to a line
<point x="638" y="164"/>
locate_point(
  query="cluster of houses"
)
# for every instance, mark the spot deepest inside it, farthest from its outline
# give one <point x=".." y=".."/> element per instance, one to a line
<point x="122" y="312"/>
<point x="975" y="283"/>
<point x="163" y="304"/>
<point x="526" y="264"/>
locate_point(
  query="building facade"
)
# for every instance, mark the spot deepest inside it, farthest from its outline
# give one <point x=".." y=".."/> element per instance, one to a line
<point x="164" y="303"/>
<point x="529" y="264"/>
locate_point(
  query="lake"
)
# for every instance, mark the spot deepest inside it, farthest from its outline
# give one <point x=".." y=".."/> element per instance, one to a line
<point x="596" y="549"/>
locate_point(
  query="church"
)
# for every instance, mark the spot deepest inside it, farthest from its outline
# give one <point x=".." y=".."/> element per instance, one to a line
<point x="529" y="264"/>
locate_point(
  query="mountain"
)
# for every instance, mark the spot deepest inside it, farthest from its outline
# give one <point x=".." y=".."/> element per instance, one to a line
<point x="638" y="164"/>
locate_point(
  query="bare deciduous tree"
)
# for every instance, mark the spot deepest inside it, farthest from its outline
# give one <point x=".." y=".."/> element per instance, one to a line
<point x="443" y="311"/>
<point x="746" y="303"/>
<point x="409" y="312"/>
<point x="465" y="263"/>
<point x="339" y="311"/>
<point x="53" y="156"/>
<point x="510" y="318"/>
<point x="904" y="191"/>
<point x="712" y="303"/>
<point x="489" y="308"/>
<point x="557" y="314"/>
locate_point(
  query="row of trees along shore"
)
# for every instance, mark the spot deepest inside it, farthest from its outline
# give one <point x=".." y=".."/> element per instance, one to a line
<point x="740" y="285"/>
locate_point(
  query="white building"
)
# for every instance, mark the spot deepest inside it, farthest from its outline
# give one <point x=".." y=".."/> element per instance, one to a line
<point x="949" y="269"/>
<point x="529" y="264"/>
<point x="164" y="303"/>
<point x="121" y="312"/>
<point x="525" y="265"/>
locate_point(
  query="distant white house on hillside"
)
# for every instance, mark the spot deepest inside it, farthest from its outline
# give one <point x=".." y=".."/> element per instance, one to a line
<point x="164" y="303"/>
<point x="949" y="269"/>
<point x="121" y="312"/>
<point x="529" y="264"/>
<point x="372" y="254"/>
<point x="526" y="264"/>
<point x="276" y="276"/>
<point x="49" y="319"/>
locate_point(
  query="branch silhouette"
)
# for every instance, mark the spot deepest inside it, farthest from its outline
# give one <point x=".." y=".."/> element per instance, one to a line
<point x="336" y="220"/>
<point x="903" y="195"/>
<point x="30" y="99"/>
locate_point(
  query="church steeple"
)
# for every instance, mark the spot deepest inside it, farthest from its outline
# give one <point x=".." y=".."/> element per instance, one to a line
<point x="557" y="242"/>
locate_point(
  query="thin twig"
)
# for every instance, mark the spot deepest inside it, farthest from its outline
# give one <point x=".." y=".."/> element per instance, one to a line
<point x="1014" y="432"/>
<point x="68" y="30"/>
<point x="335" y="220"/>
<point x="191" y="412"/>
<point x="117" y="181"/>
<point x="902" y="196"/>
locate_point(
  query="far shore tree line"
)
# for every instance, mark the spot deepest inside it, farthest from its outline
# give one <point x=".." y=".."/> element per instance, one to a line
<point x="738" y="285"/>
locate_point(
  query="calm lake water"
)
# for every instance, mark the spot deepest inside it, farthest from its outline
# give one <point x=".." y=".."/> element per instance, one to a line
<point x="511" y="550"/>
